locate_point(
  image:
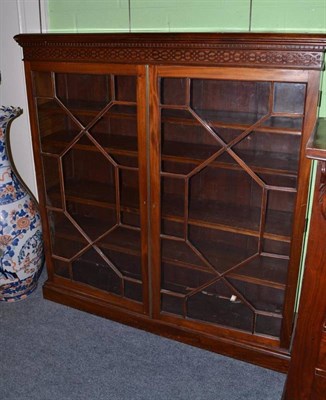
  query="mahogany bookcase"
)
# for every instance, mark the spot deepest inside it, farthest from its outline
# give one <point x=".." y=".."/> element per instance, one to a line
<point x="173" y="180"/>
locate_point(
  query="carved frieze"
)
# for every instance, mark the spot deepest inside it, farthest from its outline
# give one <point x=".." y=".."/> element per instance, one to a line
<point x="216" y="50"/>
<point x="177" y="56"/>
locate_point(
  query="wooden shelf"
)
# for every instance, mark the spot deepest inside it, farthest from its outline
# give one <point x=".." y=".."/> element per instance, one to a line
<point x="261" y="162"/>
<point x="97" y="194"/>
<point x="121" y="239"/>
<point x="133" y="276"/>
<point x="265" y="271"/>
<point x="230" y="218"/>
<point x="186" y="153"/>
<point x="206" y="213"/>
<point x="262" y="270"/>
<point x="289" y="124"/>
<point x="112" y="144"/>
<point x="219" y="309"/>
<point x="90" y="108"/>
<point x="232" y="314"/>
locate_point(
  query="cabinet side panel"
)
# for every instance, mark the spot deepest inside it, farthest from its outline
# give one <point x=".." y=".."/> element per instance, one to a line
<point x="311" y="318"/>
<point x="301" y="205"/>
<point x="38" y="167"/>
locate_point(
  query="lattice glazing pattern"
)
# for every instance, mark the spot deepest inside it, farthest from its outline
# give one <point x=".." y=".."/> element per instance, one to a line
<point x="227" y="198"/>
<point x="89" y="152"/>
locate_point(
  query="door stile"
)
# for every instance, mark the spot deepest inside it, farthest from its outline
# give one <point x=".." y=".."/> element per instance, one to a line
<point x="142" y="117"/>
<point x="311" y="106"/>
<point x="155" y="190"/>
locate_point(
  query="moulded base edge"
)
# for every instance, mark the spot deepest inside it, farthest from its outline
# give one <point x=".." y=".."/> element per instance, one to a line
<point x="248" y="352"/>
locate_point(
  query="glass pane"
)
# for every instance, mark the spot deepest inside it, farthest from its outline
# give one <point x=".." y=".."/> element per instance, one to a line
<point x="261" y="297"/>
<point x="186" y="140"/>
<point x="125" y="88"/>
<point x="223" y="250"/>
<point x="43" y="84"/>
<point x="122" y="237"/>
<point x="128" y="264"/>
<point x="228" y="197"/>
<point x="173" y="197"/>
<point x="181" y="277"/>
<point x="90" y="192"/>
<point x="66" y="239"/>
<point x="279" y="213"/>
<point x="282" y="124"/>
<point x="174" y="91"/>
<point x="52" y="182"/>
<point x="83" y="91"/>
<point x="129" y="193"/>
<point x="269" y="154"/>
<point x="218" y="304"/>
<point x="93" y="219"/>
<point x="269" y="325"/>
<point x="122" y="247"/>
<point x="230" y="101"/>
<point x="274" y="246"/>
<point x="172" y="226"/>
<point x="92" y="269"/>
<point x="57" y="127"/>
<point x="180" y="253"/>
<point x="133" y="290"/>
<point x="266" y="269"/>
<point x="289" y="97"/>
<point x="116" y="132"/>
<point x="172" y="304"/>
<point x="130" y="217"/>
<point x="61" y="268"/>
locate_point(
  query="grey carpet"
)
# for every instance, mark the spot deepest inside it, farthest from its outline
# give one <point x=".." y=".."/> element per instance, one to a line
<point x="52" y="352"/>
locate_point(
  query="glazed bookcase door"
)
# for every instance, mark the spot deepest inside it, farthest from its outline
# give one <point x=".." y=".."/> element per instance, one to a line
<point x="228" y="153"/>
<point x="89" y="137"/>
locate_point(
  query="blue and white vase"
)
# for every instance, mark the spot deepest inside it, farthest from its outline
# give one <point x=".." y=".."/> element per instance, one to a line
<point x="21" y="244"/>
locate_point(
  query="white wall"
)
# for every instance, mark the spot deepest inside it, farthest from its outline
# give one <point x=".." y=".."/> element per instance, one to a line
<point x="18" y="16"/>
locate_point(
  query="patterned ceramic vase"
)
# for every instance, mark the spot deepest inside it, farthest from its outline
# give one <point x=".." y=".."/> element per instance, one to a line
<point x="21" y="245"/>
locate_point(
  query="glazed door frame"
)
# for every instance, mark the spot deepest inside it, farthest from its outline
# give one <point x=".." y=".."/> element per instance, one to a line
<point x="311" y="79"/>
<point x="96" y="69"/>
<point x="149" y="181"/>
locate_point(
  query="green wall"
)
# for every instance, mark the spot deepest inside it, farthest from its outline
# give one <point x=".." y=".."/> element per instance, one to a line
<point x="189" y="15"/>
